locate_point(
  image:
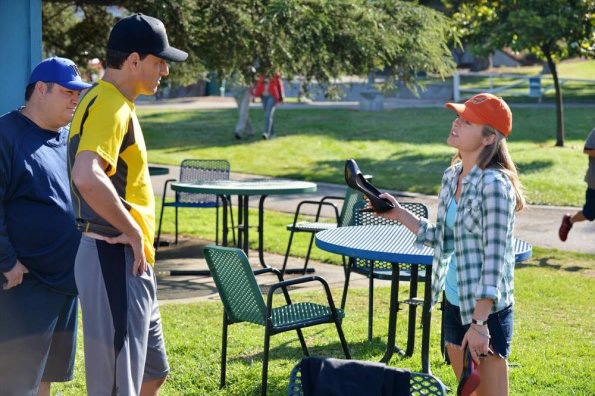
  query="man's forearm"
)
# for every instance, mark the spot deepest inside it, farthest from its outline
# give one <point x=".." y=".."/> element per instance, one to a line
<point x="590" y="152"/>
<point x="98" y="191"/>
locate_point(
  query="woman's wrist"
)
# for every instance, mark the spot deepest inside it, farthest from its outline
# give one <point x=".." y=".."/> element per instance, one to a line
<point x="396" y="213"/>
<point x="481" y="330"/>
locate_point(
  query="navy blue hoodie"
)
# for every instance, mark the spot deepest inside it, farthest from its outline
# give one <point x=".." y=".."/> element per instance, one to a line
<point x="37" y="224"/>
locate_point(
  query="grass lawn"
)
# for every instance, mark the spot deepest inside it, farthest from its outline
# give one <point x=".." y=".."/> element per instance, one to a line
<point x="552" y="346"/>
<point x="404" y="149"/>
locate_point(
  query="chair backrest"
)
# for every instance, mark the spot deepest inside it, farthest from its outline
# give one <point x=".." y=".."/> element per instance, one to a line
<point x="194" y="170"/>
<point x="236" y="284"/>
<point x="419" y="383"/>
<point x="368" y="218"/>
<point x="352" y="198"/>
<point x="425" y="384"/>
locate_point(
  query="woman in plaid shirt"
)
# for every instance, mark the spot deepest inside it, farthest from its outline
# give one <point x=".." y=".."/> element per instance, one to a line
<point x="472" y="239"/>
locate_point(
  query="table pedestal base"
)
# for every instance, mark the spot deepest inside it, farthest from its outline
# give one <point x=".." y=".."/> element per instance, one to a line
<point x="391" y="346"/>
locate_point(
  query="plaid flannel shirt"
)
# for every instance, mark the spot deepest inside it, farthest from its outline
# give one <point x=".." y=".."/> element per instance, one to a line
<point x="483" y="241"/>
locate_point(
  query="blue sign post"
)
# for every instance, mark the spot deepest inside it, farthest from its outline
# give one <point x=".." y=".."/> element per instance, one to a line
<point x="20" y="49"/>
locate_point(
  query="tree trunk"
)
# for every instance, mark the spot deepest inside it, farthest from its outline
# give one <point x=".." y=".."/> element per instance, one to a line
<point x="559" y="109"/>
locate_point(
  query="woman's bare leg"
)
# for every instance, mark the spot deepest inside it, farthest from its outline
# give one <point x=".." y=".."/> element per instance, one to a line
<point x="493" y="372"/>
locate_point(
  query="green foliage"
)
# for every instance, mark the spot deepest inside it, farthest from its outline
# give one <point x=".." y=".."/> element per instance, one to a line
<point x="79" y="29"/>
<point x="552" y="29"/>
<point x="75" y="32"/>
<point x="321" y="40"/>
<point x="563" y="28"/>
<point x="315" y="39"/>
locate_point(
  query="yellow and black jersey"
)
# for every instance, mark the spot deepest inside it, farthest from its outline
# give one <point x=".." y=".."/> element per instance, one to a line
<point x="105" y="123"/>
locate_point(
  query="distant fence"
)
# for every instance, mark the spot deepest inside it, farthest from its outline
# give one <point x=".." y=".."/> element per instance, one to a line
<point x="506" y="83"/>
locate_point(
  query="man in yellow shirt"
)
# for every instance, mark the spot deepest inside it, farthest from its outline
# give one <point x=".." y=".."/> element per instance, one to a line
<point x="114" y="207"/>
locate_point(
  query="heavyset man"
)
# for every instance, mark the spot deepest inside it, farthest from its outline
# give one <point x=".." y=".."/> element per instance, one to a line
<point x="114" y="207"/>
<point x="38" y="236"/>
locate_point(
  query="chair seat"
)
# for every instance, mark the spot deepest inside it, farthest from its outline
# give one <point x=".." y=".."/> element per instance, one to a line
<point x="307" y="226"/>
<point x="192" y="204"/>
<point x="302" y="315"/>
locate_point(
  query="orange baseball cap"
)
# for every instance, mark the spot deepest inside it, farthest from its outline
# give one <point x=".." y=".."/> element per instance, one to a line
<point x="485" y="108"/>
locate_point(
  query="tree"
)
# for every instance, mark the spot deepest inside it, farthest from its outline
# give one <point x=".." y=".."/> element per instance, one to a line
<point x="552" y="29"/>
<point x="314" y="39"/>
<point x="79" y="29"/>
<point x="322" y="39"/>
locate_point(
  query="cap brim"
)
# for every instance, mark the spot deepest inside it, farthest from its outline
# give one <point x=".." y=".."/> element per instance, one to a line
<point x="465" y="112"/>
<point x="76" y="85"/>
<point x="173" y="54"/>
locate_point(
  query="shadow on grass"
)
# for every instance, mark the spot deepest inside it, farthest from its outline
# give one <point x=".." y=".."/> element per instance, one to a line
<point x="291" y="349"/>
<point x="184" y="249"/>
<point x="534" y="166"/>
<point x="176" y="288"/>
<point x="544" y="262"/>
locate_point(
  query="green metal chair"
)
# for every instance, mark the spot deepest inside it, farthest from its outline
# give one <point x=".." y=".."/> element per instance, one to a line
<point x="194" y="171"/>
<point x="243" y="302"/>
<point x="419" y="384"/>
<point x="345" y="218"/>
<point x="383" y="270"/>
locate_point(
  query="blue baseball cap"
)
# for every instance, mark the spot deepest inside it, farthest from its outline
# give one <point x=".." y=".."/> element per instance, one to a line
<point x="61" y="71"/>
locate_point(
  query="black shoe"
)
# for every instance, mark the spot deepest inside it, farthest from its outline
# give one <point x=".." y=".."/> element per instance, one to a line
<point x="238" y="136"/>
<point x="355" y="179"/>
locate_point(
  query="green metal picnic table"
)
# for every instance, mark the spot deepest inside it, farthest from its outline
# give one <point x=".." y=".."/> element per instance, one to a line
<point x="244" y="189"/>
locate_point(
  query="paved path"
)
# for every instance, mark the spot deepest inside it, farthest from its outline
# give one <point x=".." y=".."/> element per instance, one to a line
<point x="536" y="224"/>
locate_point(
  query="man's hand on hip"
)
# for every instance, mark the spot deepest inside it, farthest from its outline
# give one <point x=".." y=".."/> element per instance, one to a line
<point x="14" y="277"/>
<point x="136" y="243"/>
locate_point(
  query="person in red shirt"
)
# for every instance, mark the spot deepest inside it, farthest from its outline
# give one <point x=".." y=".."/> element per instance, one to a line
<point x="270" y="91"/>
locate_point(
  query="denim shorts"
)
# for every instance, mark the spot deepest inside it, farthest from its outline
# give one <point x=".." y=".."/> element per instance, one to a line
<point x="500" y="325"/>
<point x="37" y="336"/>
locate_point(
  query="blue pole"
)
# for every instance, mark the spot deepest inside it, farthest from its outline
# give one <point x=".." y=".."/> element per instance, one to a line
<point x="20" y="49"/>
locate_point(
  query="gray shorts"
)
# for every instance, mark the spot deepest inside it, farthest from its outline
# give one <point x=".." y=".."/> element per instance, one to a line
<point x="124" y="344"/>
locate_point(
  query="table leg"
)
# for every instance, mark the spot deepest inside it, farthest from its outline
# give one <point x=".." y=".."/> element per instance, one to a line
<point x="426" y="320"/>
<point x="392" y="318"/>
<point x="246" y="226"/>
<point x="261" y="238"/>
<point x="414" y="276"/>
<point x="240" y="222"/>
<point x="225" y="228"/>
<point x="261" y="231"/>
<point x="224" y="241"/>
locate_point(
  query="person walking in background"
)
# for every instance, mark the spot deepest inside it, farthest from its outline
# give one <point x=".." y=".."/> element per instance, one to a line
<point x="588" y="211"/>
<point x="243" y="97"/>
<point x="270" y="91"/>
<point x="115" y="209"/>
<point x="472" y="239"/>
<point x="38" y="235"/>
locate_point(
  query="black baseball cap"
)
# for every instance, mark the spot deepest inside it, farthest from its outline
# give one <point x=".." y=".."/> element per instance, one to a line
<point x="145" y="35"/>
